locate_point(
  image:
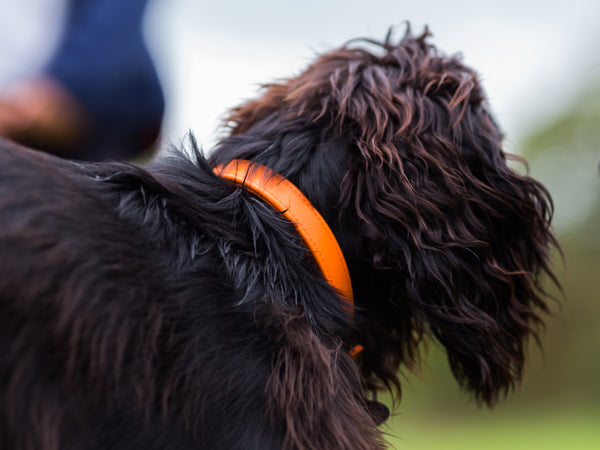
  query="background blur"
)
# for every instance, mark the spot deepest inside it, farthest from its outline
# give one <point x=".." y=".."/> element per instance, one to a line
<point x="540" y="64"/>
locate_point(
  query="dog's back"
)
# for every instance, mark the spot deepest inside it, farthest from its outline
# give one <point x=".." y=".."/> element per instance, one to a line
<point x="123" y="327"/>
<point x="93" y="312"/>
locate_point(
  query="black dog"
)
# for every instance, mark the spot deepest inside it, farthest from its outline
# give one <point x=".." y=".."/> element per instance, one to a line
<point x="166" y="307"/>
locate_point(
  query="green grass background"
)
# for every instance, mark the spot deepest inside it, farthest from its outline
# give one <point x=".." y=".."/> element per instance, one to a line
<point x="542" y="430"/>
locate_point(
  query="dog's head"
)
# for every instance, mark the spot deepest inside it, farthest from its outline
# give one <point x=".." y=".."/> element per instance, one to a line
<point x="397" y="148"/>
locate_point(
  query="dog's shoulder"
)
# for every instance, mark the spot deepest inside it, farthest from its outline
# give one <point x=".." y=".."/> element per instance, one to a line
<point x="21" y="166"/>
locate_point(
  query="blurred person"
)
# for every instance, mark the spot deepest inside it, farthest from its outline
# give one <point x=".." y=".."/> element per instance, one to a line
<point x="98" y="96"/>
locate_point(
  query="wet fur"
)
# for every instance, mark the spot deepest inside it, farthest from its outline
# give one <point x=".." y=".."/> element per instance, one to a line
<point x="161" y="307"/>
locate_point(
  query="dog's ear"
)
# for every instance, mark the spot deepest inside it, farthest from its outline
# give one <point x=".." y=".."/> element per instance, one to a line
<point x="314" y="393"/>
<point x="477" y="281"/>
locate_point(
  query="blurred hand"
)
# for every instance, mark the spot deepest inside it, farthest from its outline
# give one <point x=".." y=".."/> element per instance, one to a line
<point x="42" y="114"/>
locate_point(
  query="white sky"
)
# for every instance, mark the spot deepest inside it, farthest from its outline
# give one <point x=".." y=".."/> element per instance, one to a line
<point x="533" y="56"/>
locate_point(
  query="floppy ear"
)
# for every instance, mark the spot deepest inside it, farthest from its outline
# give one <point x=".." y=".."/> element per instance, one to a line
<point x="482" y="296"/>
<point x="314" y="394"/>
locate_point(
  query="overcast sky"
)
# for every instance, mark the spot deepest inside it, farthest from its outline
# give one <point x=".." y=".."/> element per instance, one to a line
<point x="533" y="56"/>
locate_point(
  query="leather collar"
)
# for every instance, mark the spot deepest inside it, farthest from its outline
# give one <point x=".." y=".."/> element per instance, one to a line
<point x="286" y="198"/>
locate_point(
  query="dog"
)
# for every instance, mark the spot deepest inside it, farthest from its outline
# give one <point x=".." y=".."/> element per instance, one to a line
<point x="169" y="307"/>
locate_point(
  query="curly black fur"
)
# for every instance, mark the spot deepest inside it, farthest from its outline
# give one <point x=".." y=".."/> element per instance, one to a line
<point x="162" y="307"/>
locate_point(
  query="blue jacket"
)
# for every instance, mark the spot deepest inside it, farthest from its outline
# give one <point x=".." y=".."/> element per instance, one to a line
<point x="103" y="61"/>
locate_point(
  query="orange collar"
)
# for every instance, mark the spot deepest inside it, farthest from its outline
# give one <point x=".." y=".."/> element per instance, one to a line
<point x="282" y="195"/>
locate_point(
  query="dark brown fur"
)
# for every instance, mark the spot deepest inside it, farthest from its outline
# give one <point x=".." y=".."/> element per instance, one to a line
<point x="161" y="307"/>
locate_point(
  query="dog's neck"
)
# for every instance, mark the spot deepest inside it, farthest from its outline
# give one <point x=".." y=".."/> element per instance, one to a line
<point x="282" y="195"/>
